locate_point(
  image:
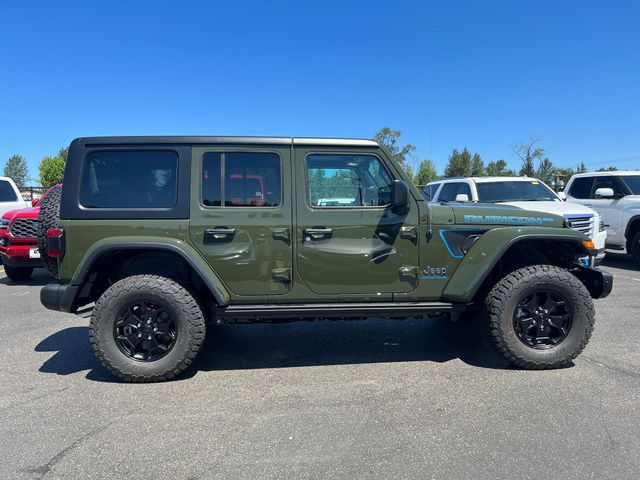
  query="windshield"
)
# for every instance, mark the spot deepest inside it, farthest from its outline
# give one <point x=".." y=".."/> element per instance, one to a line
<point x="510" y="191"/>
<point x="633" y="182"/>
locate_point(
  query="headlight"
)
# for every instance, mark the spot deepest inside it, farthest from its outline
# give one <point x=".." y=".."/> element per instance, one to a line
<point x="5" y="222"/>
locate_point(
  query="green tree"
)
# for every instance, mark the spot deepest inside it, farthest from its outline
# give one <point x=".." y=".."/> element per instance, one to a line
<point x="545" y="171"/>
<point x="499" y="169"/>
<point x="582" y="168"/>
<point x="607" y="169"/>
<point x="528" y="153"/>
<point x="389" y="139"/>
<point x="16" y="169"/>
<point x="477" y="166"/>
<point x="459" y="164"/>
<point x="52" y="168"/>
<point x="426" y="172"/>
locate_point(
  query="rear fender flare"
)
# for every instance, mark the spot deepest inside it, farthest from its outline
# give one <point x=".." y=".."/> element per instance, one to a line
<point x="149" y="244"/>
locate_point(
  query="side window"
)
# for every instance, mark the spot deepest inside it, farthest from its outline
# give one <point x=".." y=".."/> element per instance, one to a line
<point x="429" y="191"/>
<point x="7" y="194"/>
<point x="607" y="182"/>
<point x="251" y="179"/>
<point x="347" y="181"/>
<point x="581" y="187"/>
<point x="450" y="190"/>
<point x="129" y="179"/>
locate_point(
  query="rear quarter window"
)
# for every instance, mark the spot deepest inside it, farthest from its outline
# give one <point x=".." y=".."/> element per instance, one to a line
<point x="7" y="193"/>
<point x="129" y="179"/>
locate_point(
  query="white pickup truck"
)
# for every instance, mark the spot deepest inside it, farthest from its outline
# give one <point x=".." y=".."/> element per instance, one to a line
<point x="616" y="197"/>
<point x="10" y="198"/>
<point x="522" y="192"/>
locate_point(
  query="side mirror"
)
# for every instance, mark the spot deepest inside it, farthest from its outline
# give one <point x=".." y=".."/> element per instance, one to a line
<point x="604" y="193"/>
<point x="399" y="197"/>
<point x="34" y="202"/>
<point x="462" y="197"/>
<point x="562" y="196"/>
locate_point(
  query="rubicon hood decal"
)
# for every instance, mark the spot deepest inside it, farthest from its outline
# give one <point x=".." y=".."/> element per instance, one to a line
<point x="507" y="219"/>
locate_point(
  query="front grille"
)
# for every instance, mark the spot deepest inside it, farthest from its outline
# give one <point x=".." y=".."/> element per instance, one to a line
<point x="24" y="228"/>
<point x="582" y="223"/>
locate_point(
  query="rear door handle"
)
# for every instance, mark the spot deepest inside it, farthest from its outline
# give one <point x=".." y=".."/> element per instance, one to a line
<point x="220" y="232"/>
<point x="317" y="232"/>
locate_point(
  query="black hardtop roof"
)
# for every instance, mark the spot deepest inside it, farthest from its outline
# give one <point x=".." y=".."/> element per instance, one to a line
<point x="150" y="140"/>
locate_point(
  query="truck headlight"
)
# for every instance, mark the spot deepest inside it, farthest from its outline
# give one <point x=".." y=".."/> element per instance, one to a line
<point x="4" y="222"/>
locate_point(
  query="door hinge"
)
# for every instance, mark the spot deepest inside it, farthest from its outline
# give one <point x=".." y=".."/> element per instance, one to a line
<point x="409" y="233"/>
<point x="281" y="234"/>
<point x="281" y="274"/>
<point x="408" y="272"/>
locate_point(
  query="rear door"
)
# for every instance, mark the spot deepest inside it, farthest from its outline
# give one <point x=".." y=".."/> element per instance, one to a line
<point x="350" y="242"/>
<point x="241" y="218"/>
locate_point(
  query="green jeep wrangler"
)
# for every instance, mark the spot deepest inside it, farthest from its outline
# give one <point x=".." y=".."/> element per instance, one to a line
<point x="169" y="234"/>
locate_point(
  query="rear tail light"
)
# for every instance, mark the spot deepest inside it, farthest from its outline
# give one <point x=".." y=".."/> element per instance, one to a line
<point x="55" y="242"/>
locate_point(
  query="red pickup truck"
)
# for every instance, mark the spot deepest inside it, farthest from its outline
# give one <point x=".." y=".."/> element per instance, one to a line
<point x="18" y="240"/>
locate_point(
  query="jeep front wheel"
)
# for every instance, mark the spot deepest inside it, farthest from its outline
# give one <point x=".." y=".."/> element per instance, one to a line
<point x="146" y="328"/>
<point x="540" y="317"/>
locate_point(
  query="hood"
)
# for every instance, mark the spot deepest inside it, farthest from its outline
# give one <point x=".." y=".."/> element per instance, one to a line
<point x="492" y="214"/>
<point x="30" y="212"/>
<point x="558" y="208"/>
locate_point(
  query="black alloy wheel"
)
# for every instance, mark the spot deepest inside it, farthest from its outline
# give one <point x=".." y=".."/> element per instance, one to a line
<point x="542" y="319"/>
<point x="145" y="331"/>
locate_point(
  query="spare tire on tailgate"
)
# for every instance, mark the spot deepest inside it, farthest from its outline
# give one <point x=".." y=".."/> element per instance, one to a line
<point x="47" y="219"/>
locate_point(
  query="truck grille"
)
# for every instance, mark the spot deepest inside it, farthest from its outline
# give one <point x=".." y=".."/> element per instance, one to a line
<point x="24" y="228"/>
<point x="582" y="223"/>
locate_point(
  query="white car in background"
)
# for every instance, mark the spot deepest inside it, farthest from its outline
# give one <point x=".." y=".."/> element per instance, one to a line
<point x="616" y="197"/>
<point x="522" y="192"/>
<point x="10" y="198"/>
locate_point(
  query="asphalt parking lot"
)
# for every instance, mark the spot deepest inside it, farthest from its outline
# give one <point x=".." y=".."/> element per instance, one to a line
<point x="372" y="399"/>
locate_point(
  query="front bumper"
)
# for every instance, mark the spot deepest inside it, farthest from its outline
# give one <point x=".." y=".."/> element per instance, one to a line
<point x="56" y="296"/>
<point x="598" y="282"/>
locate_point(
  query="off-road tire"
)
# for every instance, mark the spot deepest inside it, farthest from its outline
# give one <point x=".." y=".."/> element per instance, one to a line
<point x="18" y="273"/>
<point x="635" y="247"/>
<point x="48" y="218"/>
<point x="508" y="292"/>
<point x="188" y="315"/>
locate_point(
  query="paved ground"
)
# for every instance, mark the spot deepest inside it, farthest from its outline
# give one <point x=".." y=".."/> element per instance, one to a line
<point x="374" y="399"/>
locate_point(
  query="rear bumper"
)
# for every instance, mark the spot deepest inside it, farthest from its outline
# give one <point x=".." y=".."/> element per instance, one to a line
<point x="55" y="296"/>
<point x="598" y="282"/>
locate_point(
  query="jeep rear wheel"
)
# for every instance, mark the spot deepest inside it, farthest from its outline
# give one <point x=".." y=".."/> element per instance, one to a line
<point x="48" y="218"/>
<point x="18" y="273"/>
<point x="635" y="247"/>
<point x="146" y="328"/>
<point x="540" y="317"/>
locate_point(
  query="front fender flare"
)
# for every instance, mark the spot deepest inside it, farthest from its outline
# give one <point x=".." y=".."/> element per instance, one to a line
<point x="490" y="247"/>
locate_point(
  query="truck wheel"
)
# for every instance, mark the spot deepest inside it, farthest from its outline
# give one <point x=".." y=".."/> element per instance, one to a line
<point x="48" y="218"/>
<point x="18" y="273"/>
<point x="540" y="317"/>
<point x="146" y="328"/>
<point x="635" y="247"/>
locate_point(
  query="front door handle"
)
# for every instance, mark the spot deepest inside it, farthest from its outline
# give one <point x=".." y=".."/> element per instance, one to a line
<point x="219" y="232"/>
<point x="317" y="233"/>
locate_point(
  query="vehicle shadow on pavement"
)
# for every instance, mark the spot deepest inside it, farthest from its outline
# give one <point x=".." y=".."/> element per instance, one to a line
<point x="72" y="354"/>
<point x="285" y="345"/>
<point x="40" y="277"/>
<point x="620" y="260"/>
<point x="236" y="347"/>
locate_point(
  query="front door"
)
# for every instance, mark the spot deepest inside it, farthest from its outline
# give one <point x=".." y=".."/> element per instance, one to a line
<point x="241" y="218"/>
<point x="609" y="208"/>
<point x="349" y="239"/>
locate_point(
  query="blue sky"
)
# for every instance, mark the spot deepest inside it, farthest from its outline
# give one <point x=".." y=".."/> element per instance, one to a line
<point x="484" y="75"/>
